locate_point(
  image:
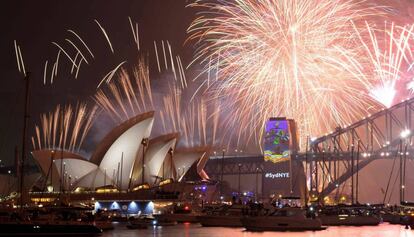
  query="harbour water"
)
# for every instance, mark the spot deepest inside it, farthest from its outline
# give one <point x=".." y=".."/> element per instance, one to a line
<point x="195" y="230"/>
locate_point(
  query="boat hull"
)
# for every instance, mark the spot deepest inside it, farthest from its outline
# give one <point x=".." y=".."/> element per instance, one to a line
<point x="33" y="229"/>
<point x="396" y="219"/>
<point x="137" y="226"/>
<point x="220" y="221"/>
<point x="104" y="225"/>
<point x="181" y="218"/>
<point x="274" y="223"/>
<point x="350" y="220"/>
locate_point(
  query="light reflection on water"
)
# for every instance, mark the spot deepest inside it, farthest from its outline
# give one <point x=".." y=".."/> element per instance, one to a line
<point x="195" y="230"/>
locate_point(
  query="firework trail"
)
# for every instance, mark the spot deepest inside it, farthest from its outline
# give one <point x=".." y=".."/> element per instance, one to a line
<point x="122" y="94"/>
<point x="197" y="121"/>
<point x="283" y="58"/>
<point x="64" y="128"/>
<point x="76" y="54"/>
<point x="384" y="93"/>
<point x="82" y="41"/>
<point x="19" y="58"/>
<point x="383" y="59"/>
<point x="108" y="77"/>
<point x="135" y="32"/>
<point x="76" y="60"/>
<point x="126" y="96"/>
<point x="410" y="86"/>
<point x="105" y="34"/>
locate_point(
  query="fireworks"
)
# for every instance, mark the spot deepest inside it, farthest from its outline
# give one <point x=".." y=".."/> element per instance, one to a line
<point x="77" y="53"/>
<point x="383" y="60"/>
<point x="384" y="93"/>
<point x="410" y="86"/>
<point x="106" y="35"/>
<point x="19" y="58"/>
<point x="284" y="58"/>
<point x="64" y="128"/>
<point x="322" y="63"/>
<point x="122" y="93"/>
<point x="127" y="96"/>
<point x="197" y="121"/>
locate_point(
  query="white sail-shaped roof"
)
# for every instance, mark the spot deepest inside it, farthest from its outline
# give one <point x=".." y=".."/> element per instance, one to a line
<point x="75" y="169"/>
<point x="184" y="158"/>
<point x="156" y="154"/>
<point x="49" y="163"/>
<point x="200" y="166"/>
<point x="120" y="148"/>
<point x="202" y="162"/>
<point x="124" y="150"/>
<point x="96" y="179"/>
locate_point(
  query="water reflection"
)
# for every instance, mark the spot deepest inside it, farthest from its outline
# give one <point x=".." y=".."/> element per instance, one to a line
<point x="195" y="230"/>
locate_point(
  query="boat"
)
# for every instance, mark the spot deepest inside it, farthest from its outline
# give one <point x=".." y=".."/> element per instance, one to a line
<point x="40" y="224"/>
<point x="394" y="218"/>
<point x="36" y="221"/>
<point x="31" y="228"/>
<point x="103" y="221"/>
<point x="104" y="225"/>
<point x="162" y="220"/>
<point x="224" y="216"/>
<point x="143" y="221"/>
<point x="181" y="213"/>
<point x="282" y="219"/>
<point x="398" y="215"/>
<point x="140" y="222"/>
<point x="182" y="217"/>
<point x="137" y="224"/>
<point x="349" y="216"/>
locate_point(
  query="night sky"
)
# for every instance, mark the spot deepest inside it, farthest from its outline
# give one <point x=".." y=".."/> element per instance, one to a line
<point x="35" y="24"/>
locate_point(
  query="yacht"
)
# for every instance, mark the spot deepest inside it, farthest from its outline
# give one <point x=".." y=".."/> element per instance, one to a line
<point x="48" y="228"/>
<point x="282" y="219"/>
<point x="182" y="217"/>
<point x="224" y="216"/>
<point x="104" y="224"/>
<point x="397" y="215"/>
<point x="50" y="224"/>
<point x="181" y="214"/>
<point x="143" y="221"/>
<point x="349" y="216"/>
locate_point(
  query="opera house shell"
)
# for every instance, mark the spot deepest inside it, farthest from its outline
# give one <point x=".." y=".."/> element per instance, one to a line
<point x="124" y="159"/>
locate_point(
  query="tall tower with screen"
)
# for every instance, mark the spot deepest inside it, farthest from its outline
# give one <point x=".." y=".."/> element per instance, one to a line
<point x="282" y="175"/>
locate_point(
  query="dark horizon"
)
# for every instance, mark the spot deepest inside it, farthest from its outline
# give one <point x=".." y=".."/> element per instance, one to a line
<point x="34" y="25"/>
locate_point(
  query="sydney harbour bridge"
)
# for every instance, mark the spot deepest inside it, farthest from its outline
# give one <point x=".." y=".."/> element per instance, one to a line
<point x="337" y="162"/>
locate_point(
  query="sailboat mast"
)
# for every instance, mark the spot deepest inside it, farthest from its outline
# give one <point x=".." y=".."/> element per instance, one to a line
<point x="357" y="175"/>
<point x="400" y="170"/>
<point x="306" y="172"/>
<point x="24" y="135"/>
<point x="403" y="172"/>
<point x="352" y="175"/>
<point x="62" y="128"/>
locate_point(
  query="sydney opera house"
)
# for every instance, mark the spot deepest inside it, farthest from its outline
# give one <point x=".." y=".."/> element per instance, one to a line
<point x="126" y="165"/>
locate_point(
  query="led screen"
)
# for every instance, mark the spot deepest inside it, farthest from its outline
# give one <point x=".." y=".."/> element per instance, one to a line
<point x="281" y="174"/>
<point x="277" y="141"/>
